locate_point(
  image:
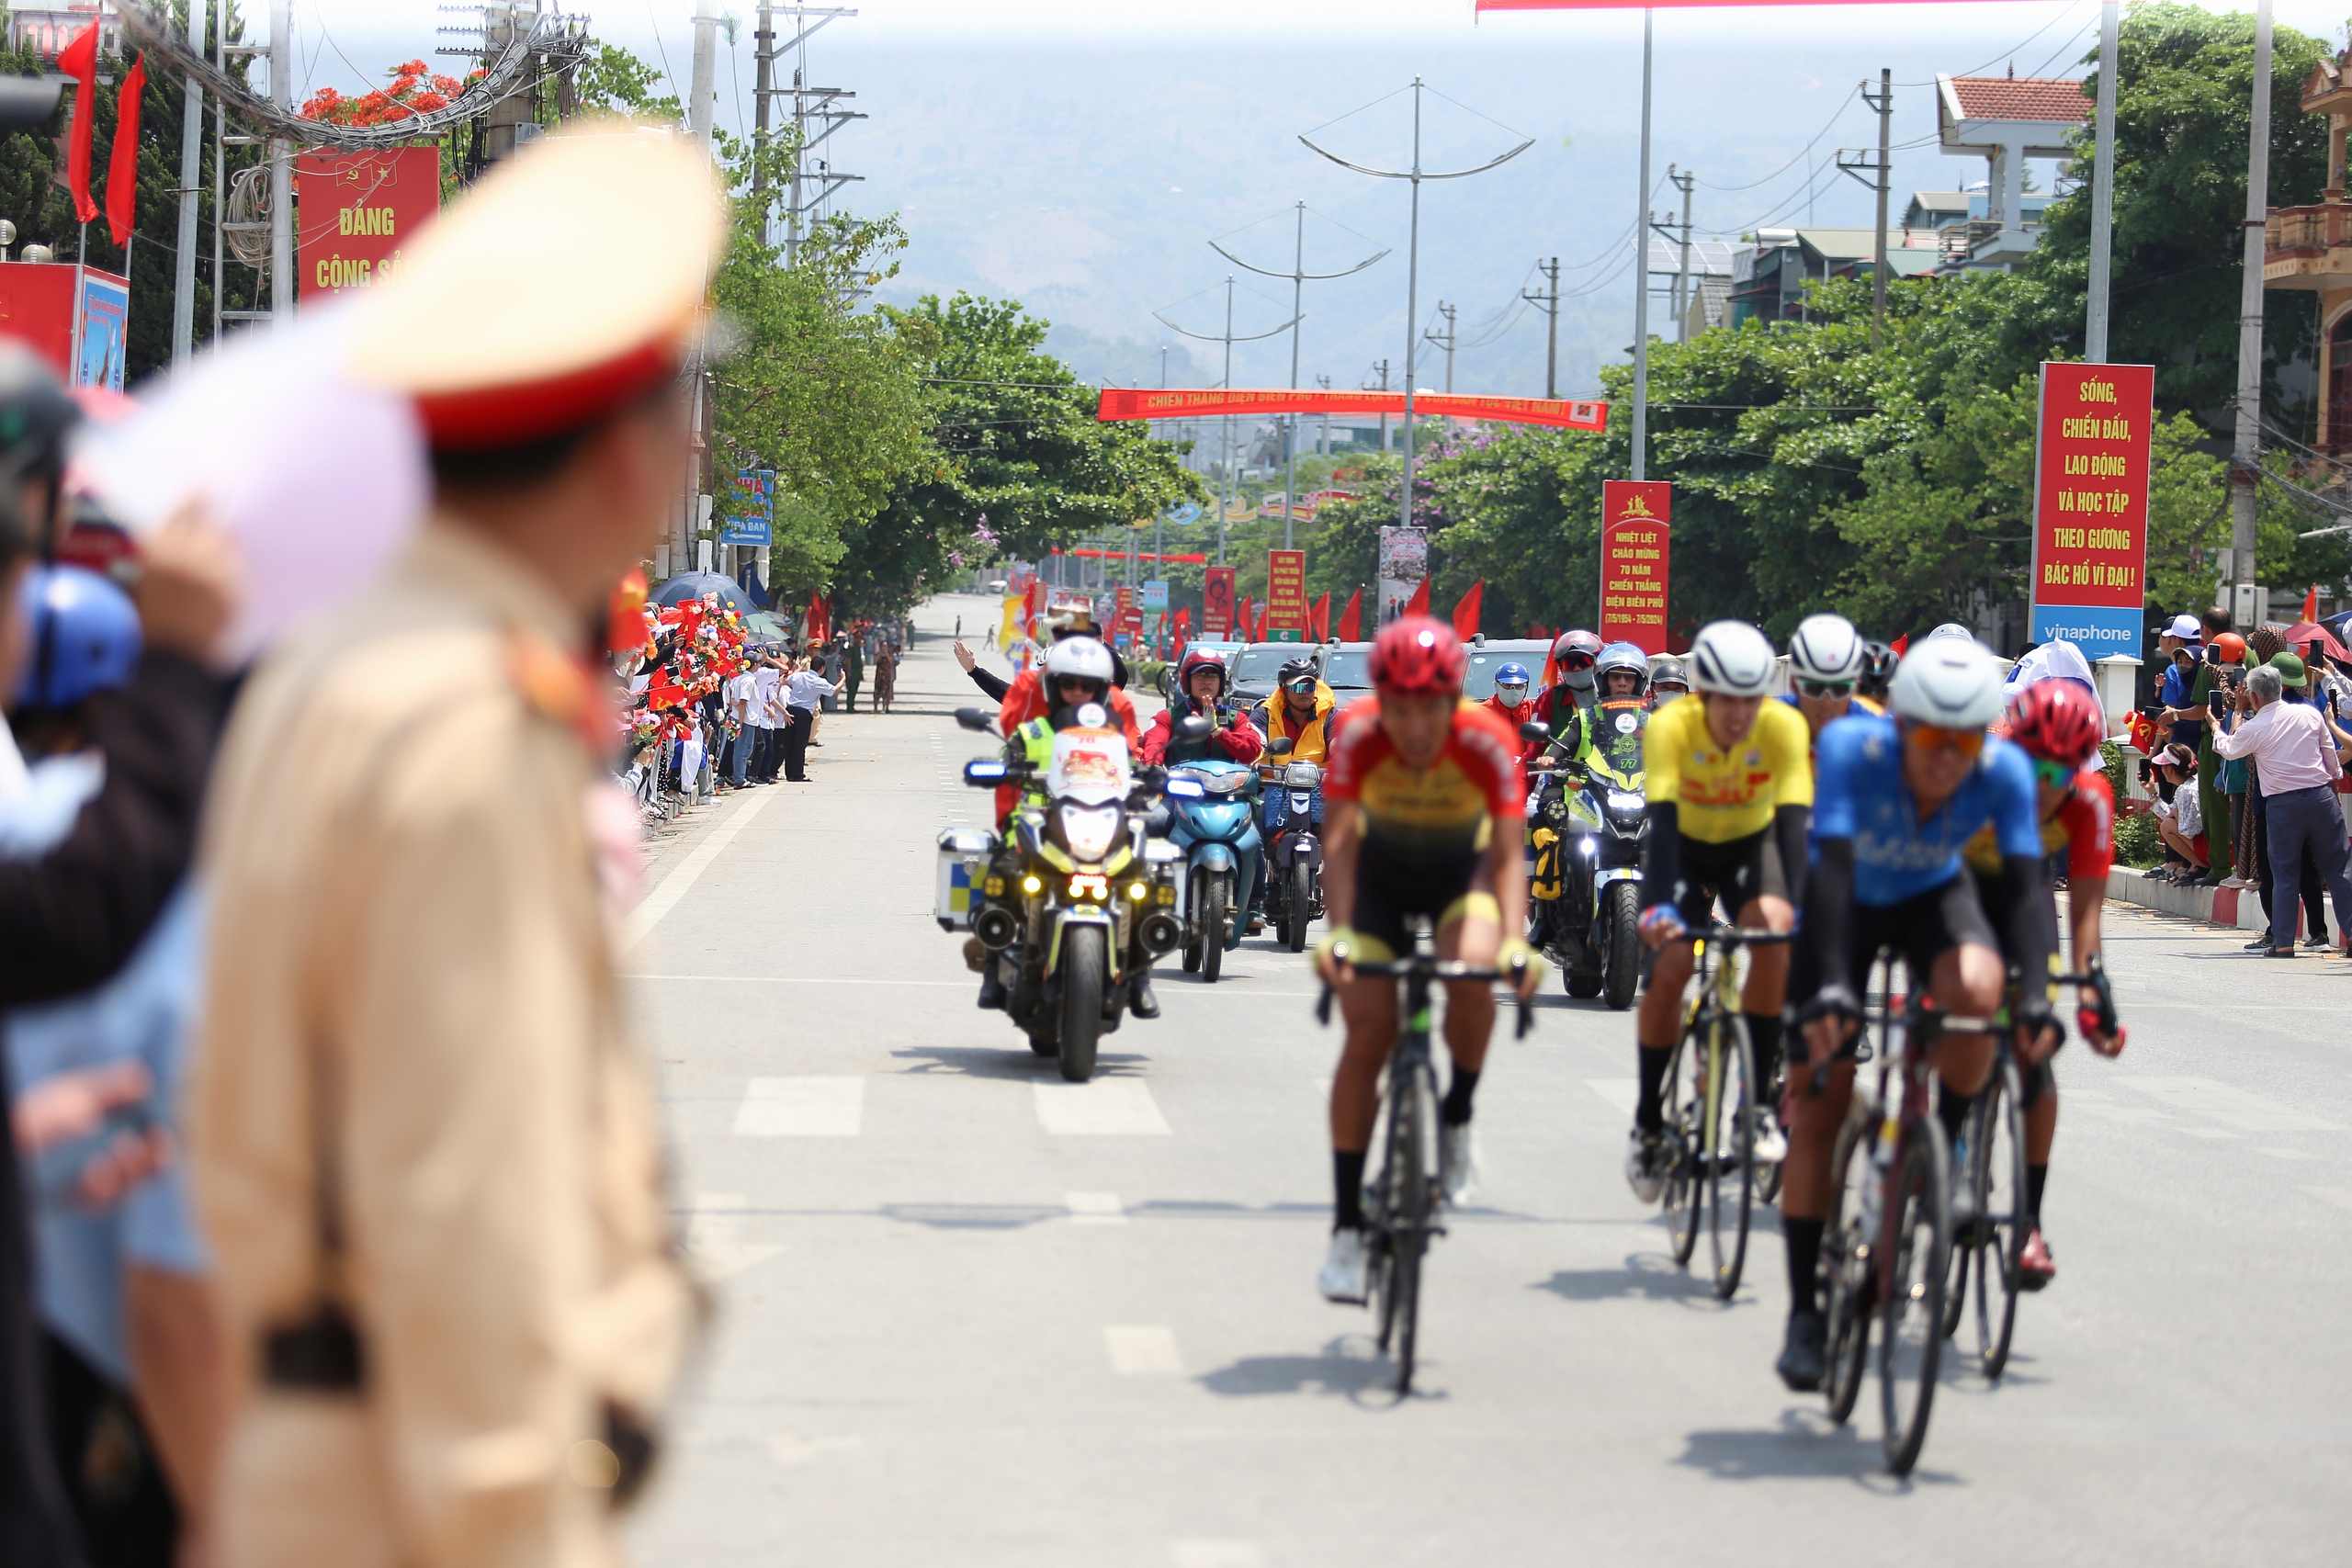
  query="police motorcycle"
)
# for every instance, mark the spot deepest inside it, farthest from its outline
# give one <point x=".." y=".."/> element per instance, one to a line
<point x="1589" y="825"/>
<point x="1077" y="898"/>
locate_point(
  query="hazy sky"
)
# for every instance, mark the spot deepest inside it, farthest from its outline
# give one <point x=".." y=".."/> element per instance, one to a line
<point x="1078" y="155"/>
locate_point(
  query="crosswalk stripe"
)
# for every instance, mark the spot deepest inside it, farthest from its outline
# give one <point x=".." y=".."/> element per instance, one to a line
<point x="1143" y="1350"/>
<point x="1106" y="1108"/>
<point x="801" y="1108"/>
<point x="1095" y="1208"/>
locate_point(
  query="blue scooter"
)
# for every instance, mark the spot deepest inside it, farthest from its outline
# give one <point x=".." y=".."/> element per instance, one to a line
<point x="1213" y="818"/>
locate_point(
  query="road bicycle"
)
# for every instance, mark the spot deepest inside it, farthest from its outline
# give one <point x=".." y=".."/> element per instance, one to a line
<point x="1398" y="1207"/>
<point x="1711" y="1101"/>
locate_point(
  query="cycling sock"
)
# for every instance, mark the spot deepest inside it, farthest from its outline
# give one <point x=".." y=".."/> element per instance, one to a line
<point x="1764" y="1033"/>
<point x="1347" y="1181"/>
<point x="1952" y="1109"/>
<point x="2037" y="1177"/>
<point x="1455" y="1109"/>
<point x="1804" y="1263"/>
<point x="1646" y="1116"/>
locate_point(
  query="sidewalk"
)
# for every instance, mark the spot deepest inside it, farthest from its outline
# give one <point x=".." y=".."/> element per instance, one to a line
<point x="2229" y="906"/>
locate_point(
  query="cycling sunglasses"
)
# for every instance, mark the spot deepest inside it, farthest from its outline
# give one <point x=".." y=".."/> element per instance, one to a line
<point x="2057" y="776"/>
<point x="1574" y="660"/>
<point x="1303" y="686"/>
<point x="1826" y="688"/>
<point x="1941" y="737"/>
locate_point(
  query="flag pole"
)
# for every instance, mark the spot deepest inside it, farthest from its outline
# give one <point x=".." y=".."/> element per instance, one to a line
<point x="81" y="259"/>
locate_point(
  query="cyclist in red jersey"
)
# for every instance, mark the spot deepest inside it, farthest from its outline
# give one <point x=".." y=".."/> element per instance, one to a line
<point x="2059" y="723"/>
<point x="1423" y="797"/>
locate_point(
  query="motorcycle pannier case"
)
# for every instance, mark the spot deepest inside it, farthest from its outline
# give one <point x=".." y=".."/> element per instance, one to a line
<point x="1544" y="882"/>
<point x="964" y="856"/>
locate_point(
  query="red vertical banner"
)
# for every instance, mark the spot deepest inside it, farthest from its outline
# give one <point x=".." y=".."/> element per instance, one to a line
<point x="2090" y="506"/>
<point x="1216" y="604"/>
<point x="1287" y="607"/>
<point x="1634" y="523"/>
<point x="360" y="211"/>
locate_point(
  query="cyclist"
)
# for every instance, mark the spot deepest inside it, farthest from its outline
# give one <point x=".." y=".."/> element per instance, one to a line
<point x="1896" y="798"/>
<point x="1200" y="689"/>
<point x="1669" y="680"/>
<point x="2059" y="724"/>
<point x="1877" y="674"/>
<point x="1729" y="788"/>
<point x="1299" y="711"/>
<point x="1421" y="817"/>
<point x="1827" y="661"/>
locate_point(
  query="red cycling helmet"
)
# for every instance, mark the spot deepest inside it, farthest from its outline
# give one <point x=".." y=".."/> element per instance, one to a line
<point x="1575" y="651"/>
<point x="1417" y="657"/>
<point x="2058" y="720"/>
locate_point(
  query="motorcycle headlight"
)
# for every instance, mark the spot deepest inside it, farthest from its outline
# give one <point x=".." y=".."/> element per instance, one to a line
<point x="1625" y="800"/>
<point x="1088" y="831"/>
<point x="1302" y="775"/>
<point x="1229" y="783"/>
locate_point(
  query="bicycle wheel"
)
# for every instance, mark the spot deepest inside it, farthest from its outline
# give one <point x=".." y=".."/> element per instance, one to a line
<point x="1911" y="1340"/>
<point x="1964" y="1238"/>
<point x="1845" y="1267"/>
<point x="1409" y="1223"/>
<point x="1680" y="1197"/>
<point x="1727" y="1168"/>
<point x="1998" y="1155"/>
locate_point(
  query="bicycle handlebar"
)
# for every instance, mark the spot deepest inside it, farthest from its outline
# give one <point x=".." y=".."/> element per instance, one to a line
<point x="1738" y="936"/>
<point x="1437" y="969"/>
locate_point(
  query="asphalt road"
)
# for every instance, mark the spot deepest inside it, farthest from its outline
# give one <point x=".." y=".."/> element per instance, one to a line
<point x="971" y="1315"/>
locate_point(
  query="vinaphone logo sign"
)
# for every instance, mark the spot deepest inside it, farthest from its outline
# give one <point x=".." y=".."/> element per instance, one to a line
<point x="355" y="213"/>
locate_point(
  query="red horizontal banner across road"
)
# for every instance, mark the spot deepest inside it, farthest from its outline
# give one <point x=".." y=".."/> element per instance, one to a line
<point x="1666" y="4"/>
<point x="1139" y="555"/>
<point x="1199" y="402"/>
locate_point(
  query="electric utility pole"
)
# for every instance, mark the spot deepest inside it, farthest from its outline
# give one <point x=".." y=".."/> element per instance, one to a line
<point x="2245" y="460"/>
<point x="1879" y="170"/>
<point x="1298" y="276"/>
<point x="1548" y="301"/>
<point x="762" y="90"/>
<point x="281" y="165"/>
<point x="191" y="168"/>
<point x="1683" y="181"/>
<point x="1641" y="432"/>
<point x="2103" y="191"/>
<point x="1416" y="175"/>
<point x="1382" y="366"/>
<point x="1228" y="339"/>
<point x="1445" y="340"/>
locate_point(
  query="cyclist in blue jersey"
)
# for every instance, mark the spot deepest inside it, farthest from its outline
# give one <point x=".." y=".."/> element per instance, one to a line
<point x="1894" y="800"/>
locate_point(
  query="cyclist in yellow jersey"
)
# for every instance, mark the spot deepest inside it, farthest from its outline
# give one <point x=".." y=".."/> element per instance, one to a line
<point x="1730" y="787"/>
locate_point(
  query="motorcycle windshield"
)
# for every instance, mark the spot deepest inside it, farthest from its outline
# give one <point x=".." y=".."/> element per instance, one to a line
<point x="1617" y="730"/>
<point x="1088" y="766"/>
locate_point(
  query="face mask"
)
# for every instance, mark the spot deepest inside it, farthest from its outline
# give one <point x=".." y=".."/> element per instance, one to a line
<point x="1580" y="679"/>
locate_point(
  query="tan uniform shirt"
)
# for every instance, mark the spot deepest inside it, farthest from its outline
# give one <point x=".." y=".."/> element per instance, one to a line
<point x="412" y="971"/>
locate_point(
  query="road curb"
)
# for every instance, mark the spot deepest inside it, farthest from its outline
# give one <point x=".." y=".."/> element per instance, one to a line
<point x="2236" y="909"/>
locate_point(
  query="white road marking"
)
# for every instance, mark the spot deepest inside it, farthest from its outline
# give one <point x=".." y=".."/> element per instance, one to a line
<point x="1106" y="1108"/>
<point x="2216" y="1133"/>
<point x="664" y="898"/>
<point x="2339" y="1196"/>
<point x="1623" y="1093"/>
<point x="1216" y="1554"/>
<point x="714" y="1238"/>
<point x="791" y="1448"/>
<point x="797" y="980"/>
<point x="1143" y="1350"/>
<point x="1095" y="1208"/>
<point x="2213" y="1101"/>
<point x="801" y="1108"/>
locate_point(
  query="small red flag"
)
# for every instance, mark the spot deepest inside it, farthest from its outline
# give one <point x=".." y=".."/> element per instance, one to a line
<point x="1900" y="645"/>
<point x="1319" y="619"/>
<point x="1350" y="628"/>
<point x="1259" y="635"/>
<point x="79" y="60"/>
<point x="1465" y="613"/>
<point x="2310" y="603"/>
<point x="122" y="174"/>
<point x="1242" y="621"/>
<point x="1419" y="604"/>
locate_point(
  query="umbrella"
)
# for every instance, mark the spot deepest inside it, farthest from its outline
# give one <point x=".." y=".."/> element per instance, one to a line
<point x="695" y="584"/>
<point x="2304" y="632"/>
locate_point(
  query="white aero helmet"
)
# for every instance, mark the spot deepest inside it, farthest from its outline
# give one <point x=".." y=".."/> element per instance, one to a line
<point x="1733" y="658"/>
<point x="1948" y="681"/>
<point x="1082" y="658"/>
<point x="1950" y="628"/>
<point x="1826" y="648"/>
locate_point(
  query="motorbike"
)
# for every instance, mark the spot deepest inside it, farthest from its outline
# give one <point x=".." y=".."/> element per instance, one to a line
<point x="1213" y="819"/>
<point x="1084" y="888"/>
<point x="1590" y="826"/>
<point x="1295" y="855"/>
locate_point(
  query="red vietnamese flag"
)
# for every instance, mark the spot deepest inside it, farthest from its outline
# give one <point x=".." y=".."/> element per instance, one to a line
<point x="122" y="173"/>
<point x="1319" y="619"/>
<point x="1183" y="632"/>
<point x="2310" y="604"/>
<point x="1419" y="604"/>
<point x="1900" y="645"/>
<point x="1351" y="627"/>
<point x="1465" y="613"/>
<point x="1242" y="621"/>
<point x="79" y="60"/>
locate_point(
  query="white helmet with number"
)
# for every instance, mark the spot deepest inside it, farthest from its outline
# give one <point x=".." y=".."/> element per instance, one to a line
<point x="1826" y="648"/>
<point x="1733" y="658"/>
<point x="1948" y="681"/>
<point x="1082" y="658"/>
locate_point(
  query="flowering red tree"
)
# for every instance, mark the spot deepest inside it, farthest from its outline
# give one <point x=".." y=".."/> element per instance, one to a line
<point x="413" y="92"/>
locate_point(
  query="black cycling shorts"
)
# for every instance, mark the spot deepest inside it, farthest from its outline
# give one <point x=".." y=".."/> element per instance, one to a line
<point x="1392" y="888"/>
<point x="1737" y="871"/>
<point x="1919" y="930"/>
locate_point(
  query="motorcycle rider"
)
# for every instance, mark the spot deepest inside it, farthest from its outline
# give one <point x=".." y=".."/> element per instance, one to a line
<point x="1512" y="704"/>
<point x="1301" y="711"/>
<point x="1567" y="705"/>
<point x="1079" y="671"/>
<point x="1669" y="680"/>
<point x="1201" y="686"/>
<point x="1027" y="697"/>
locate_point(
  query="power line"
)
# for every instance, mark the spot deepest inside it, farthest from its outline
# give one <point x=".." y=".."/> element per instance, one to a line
<point x="1835" y="116"/>
<point x="2008" y="54"/>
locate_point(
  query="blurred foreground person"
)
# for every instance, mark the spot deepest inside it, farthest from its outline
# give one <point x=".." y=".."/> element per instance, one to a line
<point x="425" y="1154"/>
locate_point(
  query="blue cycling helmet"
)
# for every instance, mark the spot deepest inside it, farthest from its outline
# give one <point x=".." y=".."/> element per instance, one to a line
<point x="83" y="636"/>
<point x="1511" y="675"/>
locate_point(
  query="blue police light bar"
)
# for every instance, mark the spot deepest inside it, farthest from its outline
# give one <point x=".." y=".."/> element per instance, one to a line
<point x="1186" y="789"/>
<point x="984" y="773"/>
